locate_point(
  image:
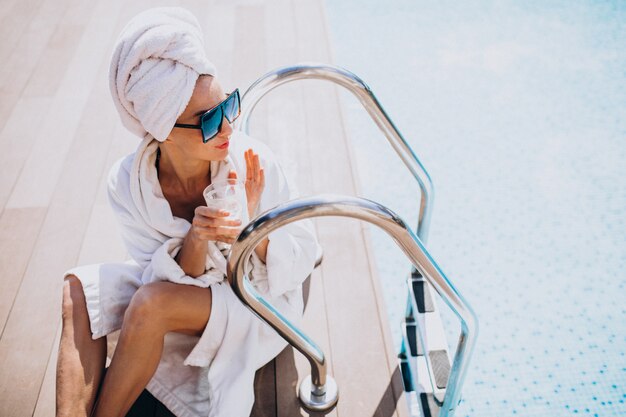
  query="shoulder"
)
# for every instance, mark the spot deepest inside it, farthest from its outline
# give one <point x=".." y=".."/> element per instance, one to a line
<point x="118" y="182"/>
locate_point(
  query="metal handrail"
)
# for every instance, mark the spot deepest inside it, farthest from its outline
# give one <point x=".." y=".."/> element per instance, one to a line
<point x="374" y="213"/>
<point x="345" y="78"/>
<point x="364" y="94"/>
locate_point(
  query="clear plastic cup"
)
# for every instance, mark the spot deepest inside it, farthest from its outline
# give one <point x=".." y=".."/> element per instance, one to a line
<point x="229" y="195"/>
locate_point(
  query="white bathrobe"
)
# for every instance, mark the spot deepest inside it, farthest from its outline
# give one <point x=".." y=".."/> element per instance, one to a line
<point x="212" y="375"/>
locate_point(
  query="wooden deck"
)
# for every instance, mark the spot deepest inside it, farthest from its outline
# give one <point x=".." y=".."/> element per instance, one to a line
<point x="59" y="134"/>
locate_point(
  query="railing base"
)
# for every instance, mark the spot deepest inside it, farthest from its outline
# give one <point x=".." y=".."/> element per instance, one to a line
<point x="318" y="403"/>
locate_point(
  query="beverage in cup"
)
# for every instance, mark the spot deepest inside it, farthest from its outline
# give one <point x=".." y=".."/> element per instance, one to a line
<point x="228" y="195"/>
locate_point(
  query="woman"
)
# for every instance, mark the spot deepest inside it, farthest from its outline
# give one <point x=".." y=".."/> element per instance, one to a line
<point x="184" y="334"/>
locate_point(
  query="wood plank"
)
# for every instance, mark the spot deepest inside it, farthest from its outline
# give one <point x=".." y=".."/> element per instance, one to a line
<point x="356" y="339"/>
<point x="17" y="141"/>
<point x="32" y="323"/>
<point x="357" y="343"/>
<point x="38" y="300"/>
<point x="58" y="51"/>
<point x="219" y="27"/>
<point x="396" y="383"/>
<point x="45" y="51"/>
<point x="249" y="59"/>
<point x="29" y="31"/>
<point x="292" y="366"/>
<point x="102" y="241"/>
<point x="287" y="135"/>
<point x="284" y="106"/>
<point x="265" y="391"/>
<point x="20" y="228"/>
<point x="6" y="9"/>
<point x="14" y="17"/>
<point x="46" y="401"/>
<point x="283" y="112"/>
<point x="61" y="120"/>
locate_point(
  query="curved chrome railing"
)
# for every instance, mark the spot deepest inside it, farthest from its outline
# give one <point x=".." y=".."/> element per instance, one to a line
<point x="367" y="98"/>
<point x="356" y="86"/>
<point x="323" y="392"/>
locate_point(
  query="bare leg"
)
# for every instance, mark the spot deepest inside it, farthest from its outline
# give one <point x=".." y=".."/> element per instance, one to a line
<point x="81" y="360"/>
<point x="154" y="310"/>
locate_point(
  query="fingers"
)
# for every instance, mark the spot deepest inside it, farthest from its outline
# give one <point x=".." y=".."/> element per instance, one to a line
<point x="255" y="180"/>
<point x="210" y="212"/>
<point x="222" y="234"/>
<point x="212" y="224"/>
<point x="212" y="217"/>
<point x="256" y="167"/>
<point x="202" y="221"/>
<point x="249" y="165"/>
<point x="253" y="165"/>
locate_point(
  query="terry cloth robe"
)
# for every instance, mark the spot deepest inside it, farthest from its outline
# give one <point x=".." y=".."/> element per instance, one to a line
<point x="212" y="375"/>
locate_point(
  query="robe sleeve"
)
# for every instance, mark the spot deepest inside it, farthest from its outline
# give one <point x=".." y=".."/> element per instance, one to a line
<point x="153" y="251"/>
<point x="293" y="249"/>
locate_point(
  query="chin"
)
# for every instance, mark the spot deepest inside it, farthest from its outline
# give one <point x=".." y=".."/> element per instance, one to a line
<point x="221" y="155"/>
<point x="224" y="153"/>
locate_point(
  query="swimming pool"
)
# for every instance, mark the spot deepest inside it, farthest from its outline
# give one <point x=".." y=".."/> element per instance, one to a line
<point x="518" y="112"/>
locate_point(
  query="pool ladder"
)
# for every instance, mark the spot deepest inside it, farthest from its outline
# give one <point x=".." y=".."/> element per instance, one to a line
<point x="432" y="384"/>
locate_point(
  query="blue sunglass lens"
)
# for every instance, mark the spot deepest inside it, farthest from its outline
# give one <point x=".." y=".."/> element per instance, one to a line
<point x="212" y="120"/>
<point x="231" y="107"/>
<point x="211" y="123"/>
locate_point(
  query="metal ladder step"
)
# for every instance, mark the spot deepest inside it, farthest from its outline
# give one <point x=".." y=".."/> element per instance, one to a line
<point x="441" y="367"/>
<point x="430" y="408"/>
<point x="423" y="300"/>
<point x="427" y="388"/>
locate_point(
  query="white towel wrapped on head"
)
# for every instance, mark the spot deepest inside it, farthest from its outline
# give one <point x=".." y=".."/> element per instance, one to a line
<point x="154" y="67"/>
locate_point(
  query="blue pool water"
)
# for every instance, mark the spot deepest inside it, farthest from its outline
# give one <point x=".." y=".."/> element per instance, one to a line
<point x="518" y="112"/>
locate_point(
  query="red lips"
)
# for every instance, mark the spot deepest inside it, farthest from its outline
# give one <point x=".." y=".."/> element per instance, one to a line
<point x="223" y="146"/>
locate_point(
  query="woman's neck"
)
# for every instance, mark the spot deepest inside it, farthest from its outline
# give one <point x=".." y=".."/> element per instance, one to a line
<point x="178" y="172"/>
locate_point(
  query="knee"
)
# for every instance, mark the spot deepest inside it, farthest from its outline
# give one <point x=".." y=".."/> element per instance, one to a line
<point x="147" y="307"/>
<point x="73" y="297"/>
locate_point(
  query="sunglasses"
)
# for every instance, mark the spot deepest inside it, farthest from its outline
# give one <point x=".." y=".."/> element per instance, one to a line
<point x="211" y="121"/>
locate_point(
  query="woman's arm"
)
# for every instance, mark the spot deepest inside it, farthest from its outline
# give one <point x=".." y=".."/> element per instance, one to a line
<point x="261" y="249"/>
<point x="192" y="255"/>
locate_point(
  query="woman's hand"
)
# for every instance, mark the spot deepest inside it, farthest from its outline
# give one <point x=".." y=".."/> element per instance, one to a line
<point x="211" y="224"/>
<point x="255" y="184"/>
<point x="207" y="224"/>
<point x="255" y="181"/>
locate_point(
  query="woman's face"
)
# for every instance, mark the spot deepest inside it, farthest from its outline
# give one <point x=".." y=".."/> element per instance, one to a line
<point x="207" y="94"/>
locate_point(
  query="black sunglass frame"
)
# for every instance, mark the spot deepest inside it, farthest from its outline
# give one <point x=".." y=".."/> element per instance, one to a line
<point x="210" y="112"/>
